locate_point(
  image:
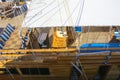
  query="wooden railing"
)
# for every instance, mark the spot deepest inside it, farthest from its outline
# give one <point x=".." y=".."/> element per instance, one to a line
<point x="7" y="13"/>
<point x="40" y="50"/>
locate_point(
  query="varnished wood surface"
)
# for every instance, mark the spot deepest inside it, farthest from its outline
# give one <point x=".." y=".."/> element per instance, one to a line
<point x="60" y="66"/>
<point x="40" y="50"/>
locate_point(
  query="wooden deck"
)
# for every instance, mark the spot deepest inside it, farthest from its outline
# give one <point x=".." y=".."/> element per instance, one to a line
<point x="94" y="35"/>
<point x="14" y="42"/>
<point x="15" y="21"/>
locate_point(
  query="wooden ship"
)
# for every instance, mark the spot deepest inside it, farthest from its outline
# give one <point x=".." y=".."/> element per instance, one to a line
<point x="62" y="53"/>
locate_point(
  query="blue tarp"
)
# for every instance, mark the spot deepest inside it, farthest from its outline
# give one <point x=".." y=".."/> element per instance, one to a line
<point x="101" y="45"/>
<point x="92" y="51"/>
<point x="78" y="29"/>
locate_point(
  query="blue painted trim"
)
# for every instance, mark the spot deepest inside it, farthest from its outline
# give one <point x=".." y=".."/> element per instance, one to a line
<point x="92" y="51"/>
<point x="101" y="45"/>
<point x="78" y="29"/>
<point x="1" y="45"/>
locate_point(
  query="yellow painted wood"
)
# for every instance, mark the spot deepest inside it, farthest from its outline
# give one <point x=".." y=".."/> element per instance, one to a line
<point x="59" y="42"/>
<point x="21" y="3"/>
<point x="52" y="50"/>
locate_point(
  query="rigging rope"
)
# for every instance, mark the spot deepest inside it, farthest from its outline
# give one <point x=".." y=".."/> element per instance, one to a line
<point x="37" y="65"/>
<point x="60" y="12"/>
<point x="68" y="12"/>
<point x="33" y="52"/>
<point x="82" y="69"/>
<point x="108" y="57"/>
<point x="71" y="21"/>
<point x="78" y="62"/>
<point x="71" y="13"/>
<point x="42" y="10"/>
<point x="78" y="36"/>
<point x="12" y="76"/>
<point x="61" y="4"/>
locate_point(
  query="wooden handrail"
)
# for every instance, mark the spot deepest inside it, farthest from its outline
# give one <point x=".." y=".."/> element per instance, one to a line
<point x="40" y="50"/>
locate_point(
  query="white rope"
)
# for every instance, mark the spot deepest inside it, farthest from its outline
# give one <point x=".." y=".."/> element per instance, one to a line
<point x="82" y="69"/>
<point x="60" y="11"/>
<point x="61" y="5"/>
<point x="32" y="48"/>
<point x="42" y="10"/>
<point x="68" y="12"/>
<point x="77" y="22"/>
<point x="35" y="57"/>
<point x="76" y="68"/>
<point x="78" y="36"/>
<point x="37" y="65"/>
<point x="12" y="76"/>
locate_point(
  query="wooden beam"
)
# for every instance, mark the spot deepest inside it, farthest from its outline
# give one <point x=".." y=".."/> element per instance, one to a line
<point x="62" y="50"/>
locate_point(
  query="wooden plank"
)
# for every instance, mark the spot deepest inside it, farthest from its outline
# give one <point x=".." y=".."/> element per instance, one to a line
<point x="90" y="67"/>
<point x="60" y="71"/>
<point x="26" y="64"/>
<point x="50" y="61"/>
<point x="67" y="58"/>
<point x="34" y="77"/>
<point x="51" y="50"/>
